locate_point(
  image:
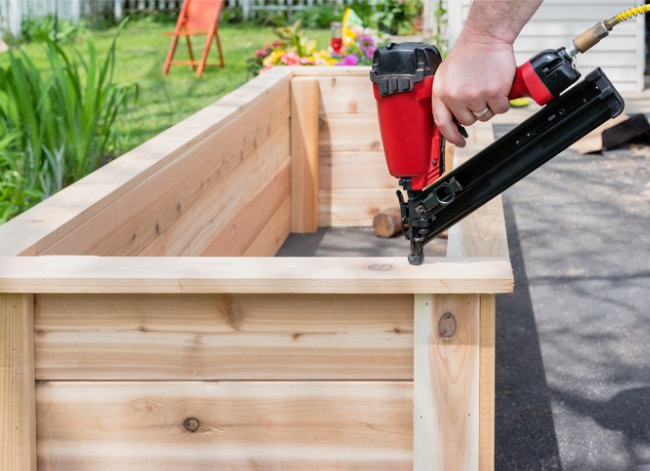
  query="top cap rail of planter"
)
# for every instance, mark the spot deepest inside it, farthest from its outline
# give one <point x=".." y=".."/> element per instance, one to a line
<point x="388" y="275"/>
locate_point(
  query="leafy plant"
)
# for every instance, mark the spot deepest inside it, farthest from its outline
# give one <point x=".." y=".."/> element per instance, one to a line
<point x="15" y="194"/>
<point x="317" y="16"/>
<point x="57" y="125"/>
<point x="56" y="29"/>
<point x="398" y="16"/>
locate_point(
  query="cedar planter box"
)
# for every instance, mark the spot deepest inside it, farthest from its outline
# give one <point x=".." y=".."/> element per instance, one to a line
<point x="145" y="324"/>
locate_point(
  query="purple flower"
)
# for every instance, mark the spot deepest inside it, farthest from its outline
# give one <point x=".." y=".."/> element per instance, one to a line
<point x="349" y="60"/>
<point x="366" y="42"/>
<point x="367" y="45"/>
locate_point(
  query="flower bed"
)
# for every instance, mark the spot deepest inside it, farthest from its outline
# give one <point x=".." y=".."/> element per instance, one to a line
<point x="356" y="46"/>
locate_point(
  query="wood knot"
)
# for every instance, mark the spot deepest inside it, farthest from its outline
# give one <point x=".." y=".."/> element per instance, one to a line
<point x="191" y="424"/>
<point x="447" y="325"/>
<point x="380" y="267"/>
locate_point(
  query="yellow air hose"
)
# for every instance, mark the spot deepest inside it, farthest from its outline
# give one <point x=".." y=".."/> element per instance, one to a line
<point x="627" y="14"/>
<point x="587" y="39"/>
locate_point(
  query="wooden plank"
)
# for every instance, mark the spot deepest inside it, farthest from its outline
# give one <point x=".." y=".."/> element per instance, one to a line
<point x="225" y="425"/>
<point x="482" y="233"/>
<point x="40" y="227"/>
<point x="304" y="155"/>
<point x="446" y="383"/>
<point x="356" y="170"/>
<point x="326" y="71"/>
<point x="353" y="207"/>
<point x="17" y="401"/>
<point x="487" y="383"/>
<point x="229" y="163"/>
<point x="343" y="275"/>
<point x="272" y="236"/>
<point x="347" y="95"/>
<point x="235" y="337"/>
<point x="251" y="220"/>
<point x="354" y="183"/>
<point x="350" y="132"/>
<point x="226" y="219"/>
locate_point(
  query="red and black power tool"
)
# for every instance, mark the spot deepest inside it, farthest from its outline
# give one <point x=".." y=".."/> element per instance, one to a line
<point x="402" y="76"/>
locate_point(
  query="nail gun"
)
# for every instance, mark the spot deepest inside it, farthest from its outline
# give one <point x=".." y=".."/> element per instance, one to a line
<point x="402" y="76"/>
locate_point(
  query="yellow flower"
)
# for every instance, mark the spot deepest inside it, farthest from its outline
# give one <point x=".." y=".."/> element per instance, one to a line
<point x="323" y="57"/>
<point x="274" y="58"/>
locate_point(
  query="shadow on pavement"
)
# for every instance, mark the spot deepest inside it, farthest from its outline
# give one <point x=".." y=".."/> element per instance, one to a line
<point x="525" y="433"/>
<point x="627" y="412"/>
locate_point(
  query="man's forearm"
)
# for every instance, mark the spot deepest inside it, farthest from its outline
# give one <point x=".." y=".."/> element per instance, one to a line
<point x="498" y="20"/>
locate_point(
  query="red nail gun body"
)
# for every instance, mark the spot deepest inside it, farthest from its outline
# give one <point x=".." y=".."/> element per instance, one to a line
<point x="413" y="145"/>
<point x="403" y="75"/>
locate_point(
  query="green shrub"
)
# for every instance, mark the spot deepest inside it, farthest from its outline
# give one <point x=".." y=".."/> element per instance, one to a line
<point x="57" y="126"/>
<point x="398" y="16"/>
<point x="56" y="29"/>
<point x="318" y="16"/>
<point x="16" y="195"/>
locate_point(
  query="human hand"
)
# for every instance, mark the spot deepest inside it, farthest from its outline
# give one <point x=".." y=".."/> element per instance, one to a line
<point x="472" y="84"/>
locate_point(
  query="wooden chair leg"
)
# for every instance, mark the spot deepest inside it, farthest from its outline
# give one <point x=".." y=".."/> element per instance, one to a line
<point x="204" y="56"/>
<point x="189" y="50"/>
<point x="170" y="55"/>
<point x="216" y="37"/>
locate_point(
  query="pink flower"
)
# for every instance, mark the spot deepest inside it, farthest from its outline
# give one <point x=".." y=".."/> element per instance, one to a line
<point x="263" y="52"/>
<point x="290" y="58"/>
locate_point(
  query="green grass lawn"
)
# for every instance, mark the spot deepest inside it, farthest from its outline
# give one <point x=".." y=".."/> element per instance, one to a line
<point x="166" y="100"/>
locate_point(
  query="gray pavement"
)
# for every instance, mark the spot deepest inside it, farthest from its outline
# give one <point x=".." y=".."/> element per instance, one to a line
<point x="573" y="341"/>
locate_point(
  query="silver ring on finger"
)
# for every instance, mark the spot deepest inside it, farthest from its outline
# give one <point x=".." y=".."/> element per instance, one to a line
<point x="481" y="113"/>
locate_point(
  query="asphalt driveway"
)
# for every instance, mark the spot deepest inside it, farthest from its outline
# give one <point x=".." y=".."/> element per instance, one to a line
<point x="573" y="341"/>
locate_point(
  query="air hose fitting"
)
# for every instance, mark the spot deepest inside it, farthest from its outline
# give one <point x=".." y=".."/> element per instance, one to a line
<point x="592" y="36"/>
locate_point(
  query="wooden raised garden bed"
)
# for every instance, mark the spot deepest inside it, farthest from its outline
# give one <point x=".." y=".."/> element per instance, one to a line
<point x="145" y="324"/>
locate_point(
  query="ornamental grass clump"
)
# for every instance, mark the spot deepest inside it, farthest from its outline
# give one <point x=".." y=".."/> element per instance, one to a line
<point x="57" y="125"/>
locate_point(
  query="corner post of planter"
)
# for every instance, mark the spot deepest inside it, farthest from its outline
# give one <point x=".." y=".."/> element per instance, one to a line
<point x="17" y="383"/>
<point x="446" y="382"/>
<point x="304" y="154"/>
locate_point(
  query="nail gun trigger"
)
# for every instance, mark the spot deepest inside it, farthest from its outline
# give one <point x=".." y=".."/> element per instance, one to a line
<point x="462" y="131"/>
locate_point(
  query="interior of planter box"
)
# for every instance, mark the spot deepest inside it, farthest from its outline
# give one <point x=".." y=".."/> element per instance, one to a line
<point x="283" y="154"/>
<point x="288" y="154"/>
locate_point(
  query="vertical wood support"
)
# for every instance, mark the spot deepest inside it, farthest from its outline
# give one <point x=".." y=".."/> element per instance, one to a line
<point x="304" y="154"/>
<point x="17" y="385"/>
<point x="446" y="382"/>
<point x="487" y="382"/>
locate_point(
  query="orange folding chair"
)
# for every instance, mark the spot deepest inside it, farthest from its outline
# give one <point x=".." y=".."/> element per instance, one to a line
<point x="197" y="17"/>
